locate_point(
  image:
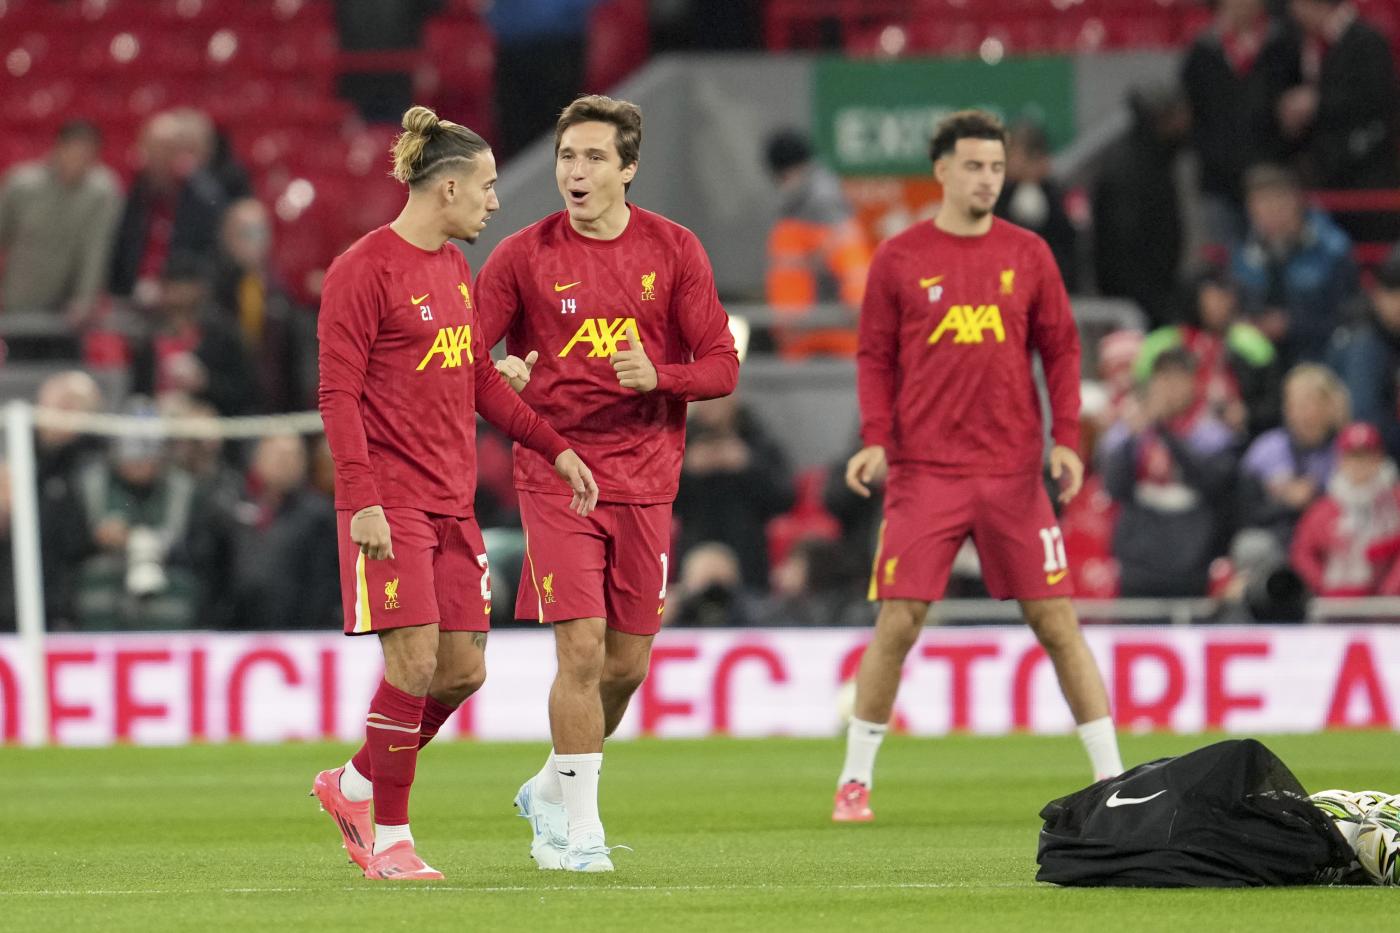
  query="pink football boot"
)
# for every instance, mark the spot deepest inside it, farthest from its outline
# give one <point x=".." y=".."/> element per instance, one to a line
<point x="400" y="863"/>
<point x="852" y="804"/>
<point x="354" y="821"/>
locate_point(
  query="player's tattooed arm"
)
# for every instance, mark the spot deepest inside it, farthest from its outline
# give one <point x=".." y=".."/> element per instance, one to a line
<point x="369" y="529"/>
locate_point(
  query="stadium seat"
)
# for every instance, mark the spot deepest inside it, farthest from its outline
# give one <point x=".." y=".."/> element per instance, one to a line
<point x="459" y="71"/>
<point x="618" y="42"/>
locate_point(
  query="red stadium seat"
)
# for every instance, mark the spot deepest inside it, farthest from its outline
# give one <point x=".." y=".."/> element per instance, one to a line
<point x="458" y="74"/>
<point x="618" y="42"/>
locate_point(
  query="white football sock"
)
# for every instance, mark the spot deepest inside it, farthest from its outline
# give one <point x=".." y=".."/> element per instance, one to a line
<point x="547" y="782"/>
<point x="385" y="836"/>
<point x="355" y="786"/>
<point x="578" y="776"/>
<point x="1101" y="742"/>
<point x="862" y="742"/>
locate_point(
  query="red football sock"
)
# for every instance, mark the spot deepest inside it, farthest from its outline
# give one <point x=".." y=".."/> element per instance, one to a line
<point x="391" y="735"/>
<point x="434" y="715"/>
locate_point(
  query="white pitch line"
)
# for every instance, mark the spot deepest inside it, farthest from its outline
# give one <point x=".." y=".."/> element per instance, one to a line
<point x="514" y="889"/>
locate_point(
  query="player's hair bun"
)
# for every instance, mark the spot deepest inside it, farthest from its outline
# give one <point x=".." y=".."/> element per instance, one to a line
<point x="428" y="142"/>
<point x="420" y="121"/>
<point x="419" y="124"/>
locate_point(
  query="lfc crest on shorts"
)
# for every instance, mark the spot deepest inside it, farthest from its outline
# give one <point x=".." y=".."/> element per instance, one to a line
<point x="391" y="594"/>
<point x="547" y="584"/>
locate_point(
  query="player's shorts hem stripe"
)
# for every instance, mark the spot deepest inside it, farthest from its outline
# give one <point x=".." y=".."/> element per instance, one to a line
<point x="874" y="593"/>
<point x="534" y="580"/>
<point x="363" y="622"/>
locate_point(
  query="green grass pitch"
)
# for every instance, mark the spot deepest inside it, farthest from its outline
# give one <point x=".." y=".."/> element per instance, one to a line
<point x="727" y="835"/>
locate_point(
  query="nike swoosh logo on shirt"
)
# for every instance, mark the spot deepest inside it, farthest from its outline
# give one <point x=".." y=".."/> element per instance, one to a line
<point x="564" y="288"/>
<point x="929" y="283"/>
<point x="421" y="299"/>
<point x="1115" y="801"/>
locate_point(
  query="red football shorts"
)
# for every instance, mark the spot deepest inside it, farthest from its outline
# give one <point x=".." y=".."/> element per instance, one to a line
<point x="611" y="565"/>
<point x="928" y="516"/>
<point x="438" y="574"/>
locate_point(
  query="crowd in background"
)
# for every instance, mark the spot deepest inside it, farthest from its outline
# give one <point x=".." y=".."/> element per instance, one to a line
<point x="1243" y="445"/>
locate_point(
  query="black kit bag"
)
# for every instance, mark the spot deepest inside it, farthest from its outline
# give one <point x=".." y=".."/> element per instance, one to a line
<point x="1227" y="815"/>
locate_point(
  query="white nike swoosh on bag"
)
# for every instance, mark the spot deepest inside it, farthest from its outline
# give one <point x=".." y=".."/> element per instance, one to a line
<point x="1115" y="801"/>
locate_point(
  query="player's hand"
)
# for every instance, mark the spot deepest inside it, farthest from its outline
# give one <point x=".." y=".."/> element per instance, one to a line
<point x="633" y="368"/>
<point x="516" y="370"/>
<point x="868" y="466"/>
<point x="580" y="480"/>
<point x="369" y="529"/>
<point x="1066" y="463"/>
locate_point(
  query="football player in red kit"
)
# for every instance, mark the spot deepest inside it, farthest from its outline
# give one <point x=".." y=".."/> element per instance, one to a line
<point x="612" y="324"/>
<point x="953" y="310"/>
<point x="404" y="373"/>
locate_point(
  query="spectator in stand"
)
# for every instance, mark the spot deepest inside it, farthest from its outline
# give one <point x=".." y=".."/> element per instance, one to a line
<point x="858" y="515"/>
<point x="57" y="222"/>
<point x="1367" y="356"/>
<point x="1137" y="213"/>
<point x="734" y="478"/>
<point x="1287" y="468"/>
<point x="61" y="456"/>
<point x="1237" y="376"/>
<point x="192" y="350"/>
<point x="1172" y="475"/>
<point x="1256" y="584"/>
<point x="817" y="252"/>
<point x="224" y="165"/>
<point x="285" y="570"/>
<point x="280" y="336"/>
<point x="820" y="584"/>
<point x="218" y="499"/>
<point x="1118" y="353"/>
<point x="1234" y="75"/>
<point x="1295" y="269"/>
<point x="1348" y="541"/>
<point x="1032" y="199"/>
<point x="710" y="593"/>
<point x="323" y="466"/>
<point x="139" y="508"/>
<point x="174" y="206"/>
<point x="541" y="48"/>
<point x="1344" y="112"/>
